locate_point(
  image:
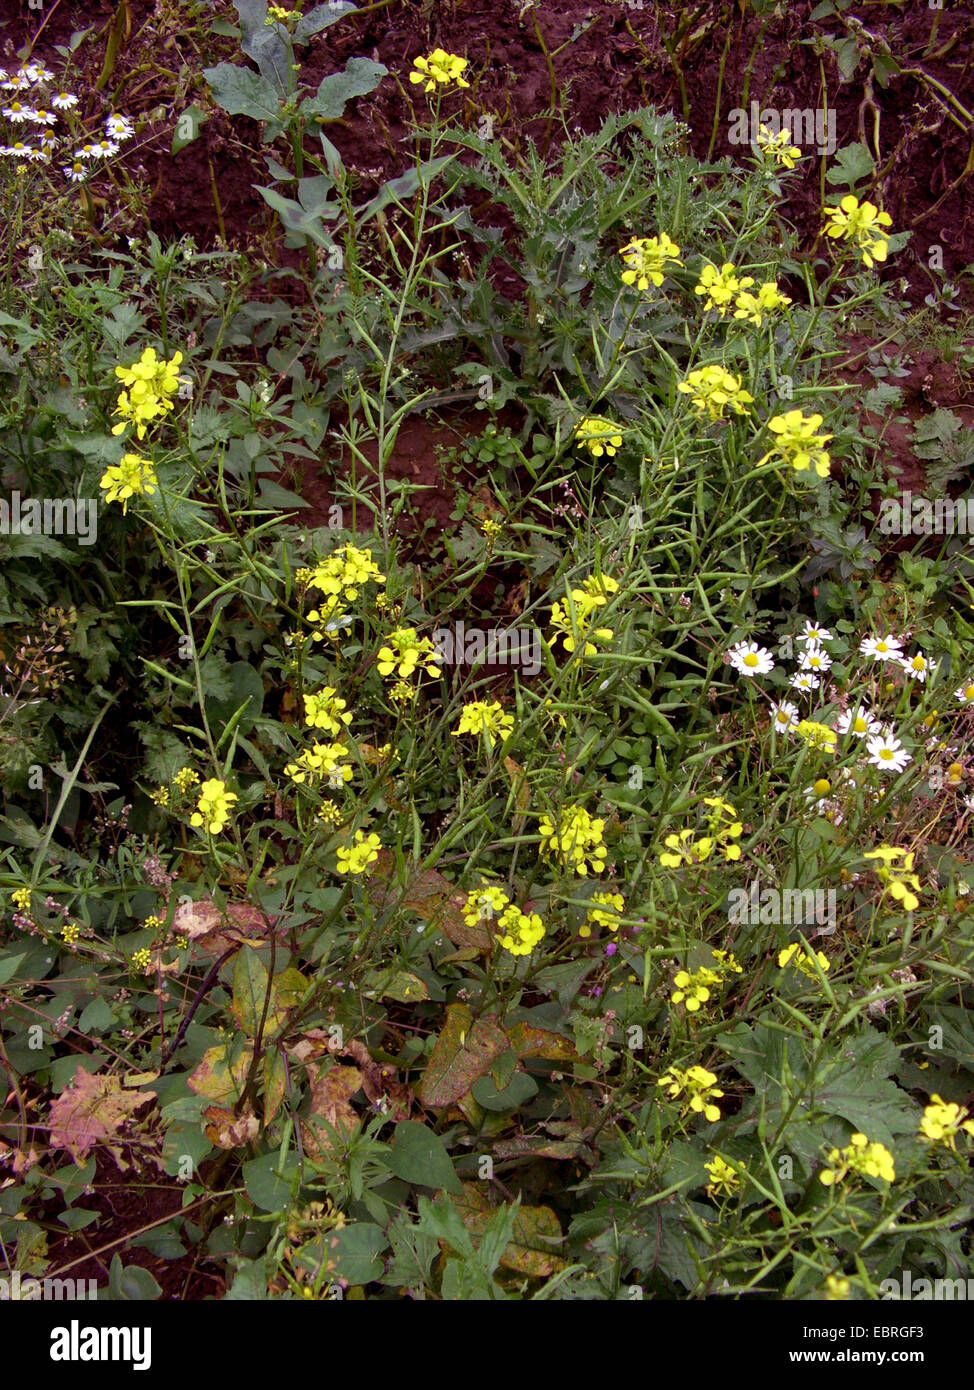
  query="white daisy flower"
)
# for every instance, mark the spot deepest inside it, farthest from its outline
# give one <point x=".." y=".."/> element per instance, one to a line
<point x="805" y="680"/>
<point x="18" y="150"/>
<point x="17" y="81"/>
<point x="119" y="128"/>
<point x="64" y="101"/>
<point x="887" y="753"/>
<point x="106" y="148"/>
<point x="18" y="112"/>
<point x="41" y="117"/>
<point x="814" y="659"/>
<point x="37" y="72"/>
<point x="814" y="634"/>
<point x="888" y="648"/>
<point x="918" y="666"/>
<point x="784" y="716"/>
<point x="87" y="151"/>
<point x="751" y="660"/>
<point x="75" y="173"/>
<point x="965" y="694"/>
<point x="859" y="722"/>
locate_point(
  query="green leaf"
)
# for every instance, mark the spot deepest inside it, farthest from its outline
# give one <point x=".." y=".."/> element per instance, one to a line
<point x="244" y="93"/>
<point x="353" y="1253"/>
<point x="360" y="77"/>
<point x="133" y="1284"/>
<point x="197" y="116"/>
<point x="9" y="964"/>
<point x="263" y="42"/>
<point x="266" y="1187"/>
<point x="851" y="165"/>
<point x="518" y="1092"/>
<point x="399" y="189"/>
<point x="418" y="1156"/>
<point x="320" y="17"/>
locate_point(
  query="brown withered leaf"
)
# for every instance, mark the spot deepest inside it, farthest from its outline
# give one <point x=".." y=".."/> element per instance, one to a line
<point x="537" y="1232"/>
<point x="380" y="1084"/>
<point x="331" y="1092"/>
<point x="227" y="1130"/>
<point x="215" y="931"/>
<point x="431" y="896"/>
<point x="92" y="1111"/>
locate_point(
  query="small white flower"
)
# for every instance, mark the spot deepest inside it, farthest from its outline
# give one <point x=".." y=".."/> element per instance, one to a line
<point x="87" y="151"/>
<point x="784" y="716"/>
<point x="965" y="694"/>
<point x="859" y="722"/>
<point x="918" y="666"/>
<point x="39" y="116"/>
<point x="17" y="81"/>
<point x="17" y="112"/>
<point x="106" y="147"/>
<point x="18" y="150"/>
<point x="749" y="659"/>
<point x="76" y="172"/>
<point x="888" y="648"/>
<point x="37" y="72"/>
<point x="887" y="753"/>
<point x="64" y="101"/>
<point x="118" y="128"/>
<point x="814" y="659"/>
<point x="814" y="634"/>
<point x="805" y="680"/>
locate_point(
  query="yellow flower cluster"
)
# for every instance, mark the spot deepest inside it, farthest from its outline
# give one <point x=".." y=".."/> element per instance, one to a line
<point x="724" y="1179"/>
<point x="645" y="259"/>
<point x="796" y="956"/>
<point x="873" y="1160"/>
<point x="694" y="990"/>
<point x="486" y="718"/>
<point x="134" y="476"/>
<point x="356" y="857"/>
<point x="799" y="443"/>
<point x="152" y="383"/>
<point x="778" y="148"/>
<point x="723" y="829"/>
<point x="439" y="68"/>
<point x="324" y="709"/>
<point x="696" y="1086"/>
<point x="521" y="931"/>
<point x="942" y="1122"/>
<point x="321" y="760"/>
<point x="860" y="224"/>
<point x="713" y="390"/>
<point x="576" y="842"/>
<point x="598" y="436"/>
<point x="214" y="806"/>
<point x="483" y="904"/>
<point x="901" y="882"/>
<point x="341" y="578"/>
<point x="404" y="653"/>
<point x="572" y="620"/>
<point x="610" y="907"/>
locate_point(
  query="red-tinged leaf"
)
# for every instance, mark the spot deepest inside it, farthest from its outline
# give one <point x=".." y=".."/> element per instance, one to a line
<point x="523" y="1147"/>
<point x="228" y="1130"/>
<point x="465" y="1050"/>
<point x="528" y="1041"/>
<point x="92" y="1111"/>
<point x="330" y="1096"/>
<point x="275" y="1082"/>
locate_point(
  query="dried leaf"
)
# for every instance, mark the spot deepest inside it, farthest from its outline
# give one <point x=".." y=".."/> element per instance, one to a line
<point x="227" y="1130"/>
<point x="330" y="1094"/>
<point x="92" y="1111"/>
<point x="465" y="1050"/>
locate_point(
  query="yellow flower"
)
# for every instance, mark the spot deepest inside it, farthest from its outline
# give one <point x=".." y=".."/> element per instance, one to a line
<point x="321" y="760"/>
<point x="214" y="806"/>
<point x="902" y="883"/>
<point x="645" y="259"/>
<point x="696" y="1084"/>
<point x="142" y="961"/>
<point x="796" y="956"/>
<point x="522" y="931"/>
<point x="572" y="621"/>
<point x="576" y="842"/>
<point x="486" y="718"/>
<point x="439" y="68"/>
<point x="753" y="307"/>
<point x="942" y="1121"/>
<point x="683" y="849"/>
<point x="160" y="796"/>
<point x="778" y="148"/>
<point x="356" y="858"/>
<point x="70" y="933"/>
<point x="720" y="286"/>
<point x="404" y="652"/>
<point x="723" y="1178"/>
<point x="874" y="1160"/>
<point x="713" y="389"/>
<point x="324" y="709"/>
<point x="484" y="903"/>
<point x="817" y="735"/>
<point x="798" y="443"/>
<point x="185" y="778"/>
<point x="836" y="1290"/>
<point x="599" y="917"/>
<point x="133" y="476"/>
<point x="598" y="436"/>
<point x="859" y="224"/>
<point x="693" y="991"/>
